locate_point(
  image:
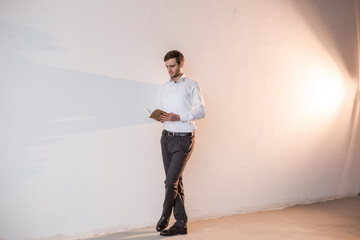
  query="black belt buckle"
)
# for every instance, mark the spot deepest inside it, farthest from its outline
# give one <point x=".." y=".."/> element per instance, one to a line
<point x="167" y="133"/>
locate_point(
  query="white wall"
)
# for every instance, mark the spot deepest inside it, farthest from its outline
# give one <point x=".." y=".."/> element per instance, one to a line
<point x="78" y="156"/>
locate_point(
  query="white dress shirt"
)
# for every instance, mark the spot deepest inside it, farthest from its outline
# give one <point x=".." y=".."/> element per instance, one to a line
<point x="183" y="98"/>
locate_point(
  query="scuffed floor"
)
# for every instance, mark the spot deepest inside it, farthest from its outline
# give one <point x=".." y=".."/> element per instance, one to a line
<point x="337" y="219"/>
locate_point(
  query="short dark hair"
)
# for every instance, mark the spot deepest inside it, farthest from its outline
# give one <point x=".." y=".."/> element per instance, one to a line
<point x="174" y="54"/>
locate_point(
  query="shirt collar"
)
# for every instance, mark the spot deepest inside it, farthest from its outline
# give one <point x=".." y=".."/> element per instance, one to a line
<point x="179" y="80"/>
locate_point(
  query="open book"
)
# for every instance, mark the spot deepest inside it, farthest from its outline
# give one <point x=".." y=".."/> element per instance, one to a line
<point x="155" y="114"/>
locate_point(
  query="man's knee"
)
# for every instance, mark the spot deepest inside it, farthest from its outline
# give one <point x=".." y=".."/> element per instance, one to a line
<point x="171" y="185"/>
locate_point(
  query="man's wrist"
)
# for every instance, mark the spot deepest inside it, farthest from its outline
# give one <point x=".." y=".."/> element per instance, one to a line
<point x="177" y="117"/>
<point x="186" y="117"/>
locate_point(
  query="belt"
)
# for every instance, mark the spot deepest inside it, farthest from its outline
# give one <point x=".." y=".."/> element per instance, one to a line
<point x="181" y="134"/>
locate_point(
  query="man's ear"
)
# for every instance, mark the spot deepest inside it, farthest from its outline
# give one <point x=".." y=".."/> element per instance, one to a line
<point x="182" y="64"/>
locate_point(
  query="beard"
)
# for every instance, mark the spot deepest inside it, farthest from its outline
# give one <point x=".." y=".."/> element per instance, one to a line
<point x="177" y="74"/>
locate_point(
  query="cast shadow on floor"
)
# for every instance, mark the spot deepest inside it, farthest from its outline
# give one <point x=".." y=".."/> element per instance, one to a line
<point x="134" y="234"/>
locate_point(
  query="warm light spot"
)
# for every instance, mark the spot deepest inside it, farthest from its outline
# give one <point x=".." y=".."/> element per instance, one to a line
<point x="324" y="91"/>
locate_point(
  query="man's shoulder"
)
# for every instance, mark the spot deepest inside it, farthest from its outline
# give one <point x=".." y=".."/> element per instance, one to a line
<point x="190" y="81"/>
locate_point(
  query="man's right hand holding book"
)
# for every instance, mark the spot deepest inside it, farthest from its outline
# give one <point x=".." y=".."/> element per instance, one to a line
<point x="169" y="117"/>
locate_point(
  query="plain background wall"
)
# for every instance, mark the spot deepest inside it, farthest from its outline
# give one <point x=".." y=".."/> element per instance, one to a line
<point x="78" y="156"/>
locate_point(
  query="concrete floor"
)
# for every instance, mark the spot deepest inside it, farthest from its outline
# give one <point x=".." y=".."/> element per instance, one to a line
<point x="337" y="219"/>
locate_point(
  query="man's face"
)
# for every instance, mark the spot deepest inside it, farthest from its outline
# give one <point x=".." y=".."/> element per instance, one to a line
<point x="173" y="67"/>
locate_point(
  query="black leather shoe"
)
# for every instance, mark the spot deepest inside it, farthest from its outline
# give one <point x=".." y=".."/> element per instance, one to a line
<point x="162" y="224"/>
<point x="174" y="230"/>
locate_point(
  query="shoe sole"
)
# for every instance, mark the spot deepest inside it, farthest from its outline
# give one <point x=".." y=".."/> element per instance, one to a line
<point x="179" y="233"/>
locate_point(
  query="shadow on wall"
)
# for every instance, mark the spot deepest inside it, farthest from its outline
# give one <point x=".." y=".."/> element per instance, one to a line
<point x="326" y="20"/>
<point x="38" y="103"/>
<point x="354" y="142"/>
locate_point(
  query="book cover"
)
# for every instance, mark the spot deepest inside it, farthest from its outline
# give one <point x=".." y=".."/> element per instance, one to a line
<point x="155" y="114"/>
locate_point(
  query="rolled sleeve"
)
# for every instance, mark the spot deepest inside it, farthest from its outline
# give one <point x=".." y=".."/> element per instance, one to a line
<point x="199" y="109"/>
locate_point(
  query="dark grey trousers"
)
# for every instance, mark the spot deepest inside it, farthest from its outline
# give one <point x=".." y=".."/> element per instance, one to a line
<point x="176" y="151"/>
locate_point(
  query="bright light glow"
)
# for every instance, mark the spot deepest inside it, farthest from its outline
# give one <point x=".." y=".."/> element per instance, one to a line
<point x="324" y="91"/>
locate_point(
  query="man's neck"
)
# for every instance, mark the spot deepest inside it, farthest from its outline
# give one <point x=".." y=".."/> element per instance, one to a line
<point x="177" y="77"/>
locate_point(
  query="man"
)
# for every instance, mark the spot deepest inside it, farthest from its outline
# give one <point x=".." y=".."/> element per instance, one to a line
<point x="182" y="101"/>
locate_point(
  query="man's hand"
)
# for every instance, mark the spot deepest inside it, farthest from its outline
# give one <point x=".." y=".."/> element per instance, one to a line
<point x="169" y="117"/>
